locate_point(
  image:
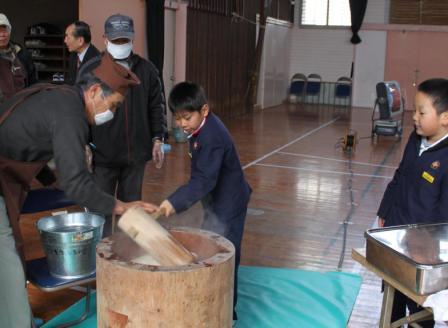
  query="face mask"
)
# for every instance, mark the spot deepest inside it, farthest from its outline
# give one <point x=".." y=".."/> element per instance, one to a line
<point x="104" y="117"/>
<point x="119" y="51"/>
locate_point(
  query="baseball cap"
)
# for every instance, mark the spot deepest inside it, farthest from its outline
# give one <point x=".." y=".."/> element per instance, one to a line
<point x="4" y="21"/>
<point x="117" y="77"/>
<point x="119" y="26"/>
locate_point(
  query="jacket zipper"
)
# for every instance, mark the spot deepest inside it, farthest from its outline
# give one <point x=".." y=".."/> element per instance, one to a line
<point x="127" y="131"/>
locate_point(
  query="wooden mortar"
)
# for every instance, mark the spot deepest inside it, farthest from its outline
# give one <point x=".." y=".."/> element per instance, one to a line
<point x="132" y="294"/>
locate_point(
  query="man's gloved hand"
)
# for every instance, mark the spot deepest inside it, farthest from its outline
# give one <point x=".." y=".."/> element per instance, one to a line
<point x="121" y="207"/>
<point x="157" y="153"/>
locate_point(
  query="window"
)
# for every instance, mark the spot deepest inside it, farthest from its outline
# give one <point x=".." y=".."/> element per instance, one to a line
<point x="326" y="12"/>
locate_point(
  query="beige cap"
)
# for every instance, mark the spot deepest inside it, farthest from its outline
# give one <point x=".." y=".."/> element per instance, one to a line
<point x="4" y="21"/>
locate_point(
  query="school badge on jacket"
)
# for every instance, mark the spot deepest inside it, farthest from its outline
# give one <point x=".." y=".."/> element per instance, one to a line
<point x="435" y="165"/>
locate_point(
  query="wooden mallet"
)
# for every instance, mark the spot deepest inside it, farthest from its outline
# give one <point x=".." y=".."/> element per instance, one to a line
<point x="144" y="229"/>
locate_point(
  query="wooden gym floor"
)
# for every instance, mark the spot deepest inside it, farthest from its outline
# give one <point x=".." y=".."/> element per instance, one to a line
<point x="304" y="188"/>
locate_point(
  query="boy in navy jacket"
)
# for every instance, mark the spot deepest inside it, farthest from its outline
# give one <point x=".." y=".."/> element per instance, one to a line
<point x="217" y="179"/>
<point x="418" y="192"/>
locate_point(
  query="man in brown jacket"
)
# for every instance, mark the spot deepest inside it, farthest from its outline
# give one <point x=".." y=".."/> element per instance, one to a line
<point x="40" y="123"/>
<point x="17" y="70"/>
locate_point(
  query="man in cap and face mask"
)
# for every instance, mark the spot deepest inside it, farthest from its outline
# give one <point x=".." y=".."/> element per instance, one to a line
<point x="40" y="123"/>
<point x="135" y="136"/>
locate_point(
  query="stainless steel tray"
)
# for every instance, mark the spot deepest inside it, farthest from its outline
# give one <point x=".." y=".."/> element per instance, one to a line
<point x="414" y="255"/>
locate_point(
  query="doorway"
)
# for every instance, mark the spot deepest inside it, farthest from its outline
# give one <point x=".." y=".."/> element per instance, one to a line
<point x="413" y="57"/>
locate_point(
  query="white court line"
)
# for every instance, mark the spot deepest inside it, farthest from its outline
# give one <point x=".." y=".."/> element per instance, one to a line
<point x="337" y="160"/>
<point x="290" y="143"/>
<point x="324" y="171"/>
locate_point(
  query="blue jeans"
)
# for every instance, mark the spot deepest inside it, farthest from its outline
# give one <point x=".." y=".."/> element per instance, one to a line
<point x="15" y="309"/>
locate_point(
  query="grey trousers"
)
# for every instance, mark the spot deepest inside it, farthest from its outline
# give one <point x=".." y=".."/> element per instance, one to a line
<point x="15" y="309"/>
<point x="124" y="182"/>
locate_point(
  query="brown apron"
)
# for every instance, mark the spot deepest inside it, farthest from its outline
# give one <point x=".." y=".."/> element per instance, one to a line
<point x="16" y="176"/>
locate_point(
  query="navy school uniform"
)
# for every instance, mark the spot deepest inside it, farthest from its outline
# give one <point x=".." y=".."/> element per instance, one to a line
<point x="217" y="180"/>
<point x="418" y="193"/>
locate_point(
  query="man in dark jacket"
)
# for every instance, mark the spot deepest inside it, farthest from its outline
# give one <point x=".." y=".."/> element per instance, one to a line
<point x="17" y="70"/>
<point x="123" y="146"/>
<point x="38" y="124"/>
<point x="77" y="39"/>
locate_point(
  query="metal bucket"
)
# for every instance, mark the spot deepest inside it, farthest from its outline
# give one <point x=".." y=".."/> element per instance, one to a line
<point x="69" y="242"/>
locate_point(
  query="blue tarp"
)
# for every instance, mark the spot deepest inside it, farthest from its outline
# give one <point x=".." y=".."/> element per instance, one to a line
<point x="274" y="298"/>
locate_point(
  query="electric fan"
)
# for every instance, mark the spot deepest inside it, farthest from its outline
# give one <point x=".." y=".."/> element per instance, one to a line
<point x="387" y="116"/>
